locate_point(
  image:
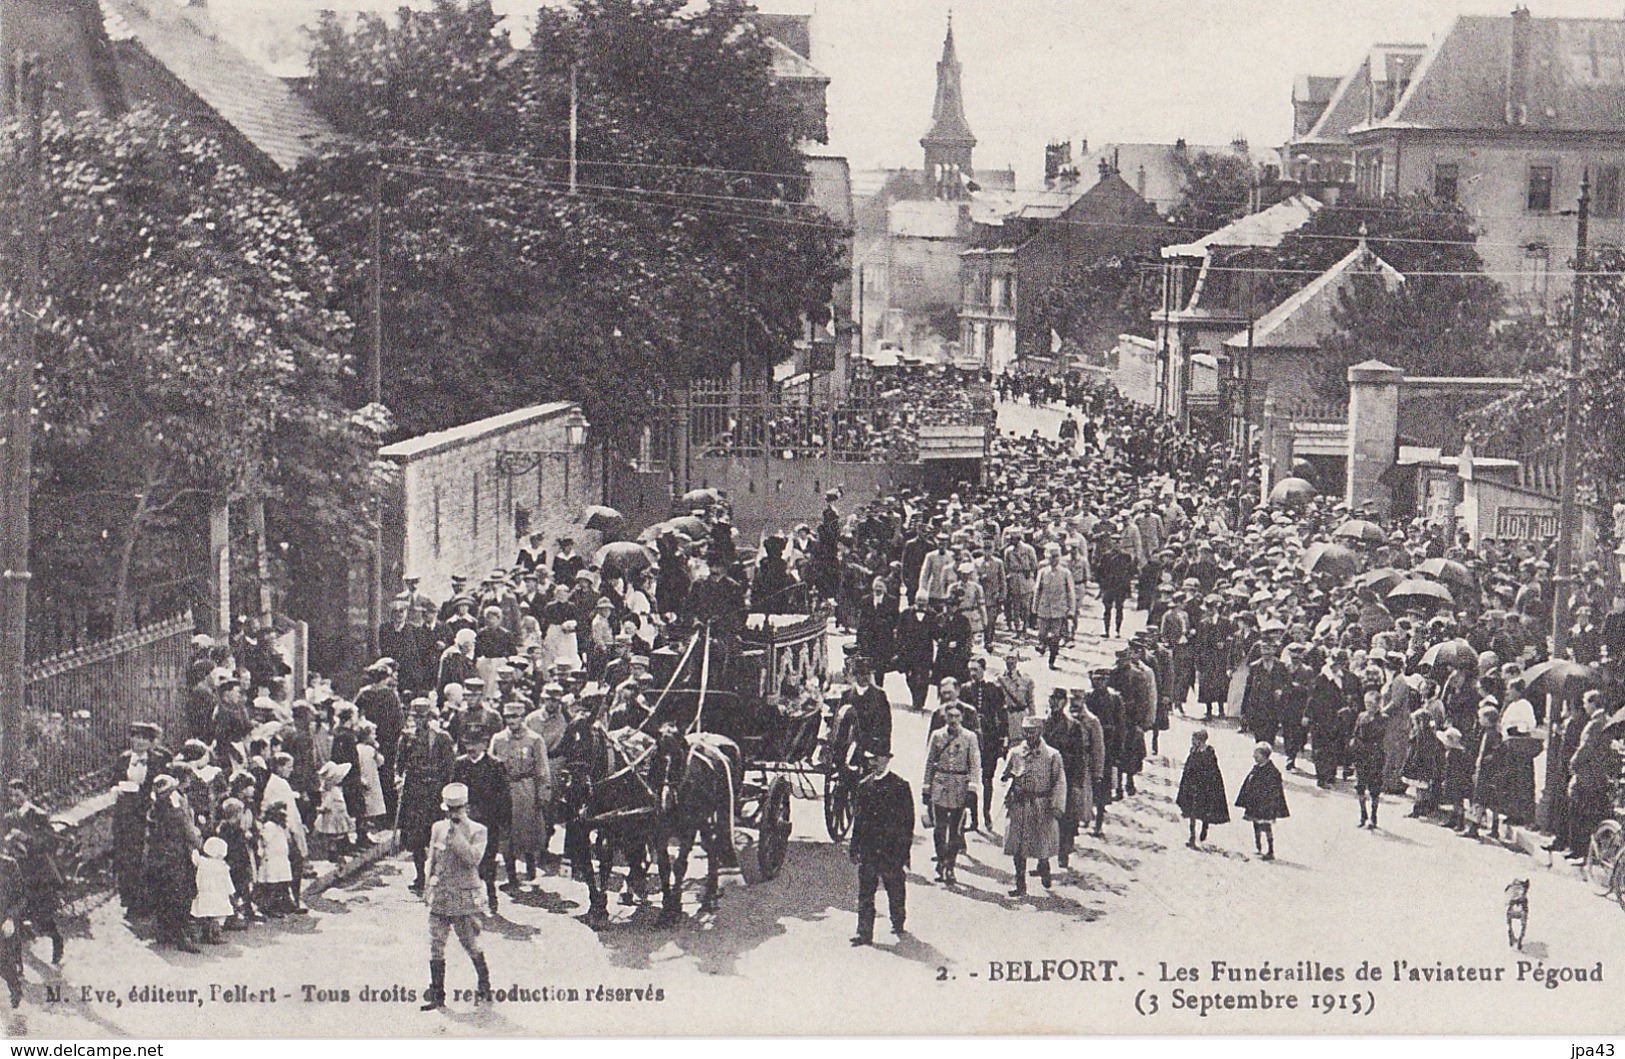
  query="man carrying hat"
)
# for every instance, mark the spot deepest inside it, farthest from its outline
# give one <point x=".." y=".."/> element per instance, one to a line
<point x="456" y="849"/>
<point x="882" y="835"/>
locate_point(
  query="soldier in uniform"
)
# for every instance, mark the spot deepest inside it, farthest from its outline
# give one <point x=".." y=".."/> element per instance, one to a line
<point x="488" y="799"/>
<point x="522" y="753"/>
<point x="986" y="697"/>
<point x="1035" y="802"/>
<point x="882" y="833"/>
<point x="423" y="763"/>
<point x="953" y="768"/>
<point x="456" y="849"/>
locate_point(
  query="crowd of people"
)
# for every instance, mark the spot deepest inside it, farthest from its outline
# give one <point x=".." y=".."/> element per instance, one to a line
<point x="1423" y="696"/>
<point x="1245" y="619"/>
<point x="878" y="422"/>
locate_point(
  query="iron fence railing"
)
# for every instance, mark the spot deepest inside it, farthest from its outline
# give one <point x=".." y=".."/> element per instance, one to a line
<point x="79" y="705"/>
<point x="870" y="426"/>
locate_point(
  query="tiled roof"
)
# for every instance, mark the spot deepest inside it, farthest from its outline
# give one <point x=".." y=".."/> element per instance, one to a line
<point x="1265" y="228"/>
<point x="1304" y="318"/>
<point x="263" y="110"/>
<point x="1575" y="77"/>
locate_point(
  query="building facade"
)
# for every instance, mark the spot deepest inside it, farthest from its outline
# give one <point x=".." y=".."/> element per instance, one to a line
<point x="467" y="497"/>
<point x="1505" y="115"/>
<point x="1007" y="279"/>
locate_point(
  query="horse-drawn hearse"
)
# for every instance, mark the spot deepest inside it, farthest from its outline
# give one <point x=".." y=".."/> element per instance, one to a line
<point x="738" y="727"/>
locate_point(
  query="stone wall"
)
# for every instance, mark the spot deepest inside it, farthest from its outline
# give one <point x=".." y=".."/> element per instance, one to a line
<point x="455" y="512"/>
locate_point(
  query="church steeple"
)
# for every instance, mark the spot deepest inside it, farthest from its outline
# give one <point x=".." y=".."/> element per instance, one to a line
<point x="949" y="141"/>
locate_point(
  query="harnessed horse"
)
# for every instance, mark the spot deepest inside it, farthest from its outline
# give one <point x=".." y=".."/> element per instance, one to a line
<point x="607" y="806"/>
<point x="698" y="778"/>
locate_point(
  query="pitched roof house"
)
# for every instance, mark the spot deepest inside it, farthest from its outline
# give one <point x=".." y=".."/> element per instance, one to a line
<point x="1503" y="115"/>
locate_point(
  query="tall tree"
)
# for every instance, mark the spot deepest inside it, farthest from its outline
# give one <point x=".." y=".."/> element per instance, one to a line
<point x="686" y="246"/>
<point x="190" y="352"/>
<point x="1218" y="190"/>
<point x="1438" y="322"/>
<point x="1531" y="420"/>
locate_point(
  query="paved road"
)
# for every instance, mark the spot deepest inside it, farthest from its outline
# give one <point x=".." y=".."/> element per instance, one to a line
<point x="776" y="958"/>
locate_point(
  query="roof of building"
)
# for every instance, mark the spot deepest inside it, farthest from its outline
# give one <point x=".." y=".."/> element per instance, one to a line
<point x="1266" y="228"/>
<point x="948" y="124"/>
<point x="263" y="110"/>
<point x="1345" y="109"/>
<point x="1304" y="318"/>
<point x="1158" y="172"/>
<point x="1351" y="102"/>
<point x="428" y="444"/>
<point x="790" y="65"/>
<point x="1313" y="88"/>
<point x="1575" y="77"/>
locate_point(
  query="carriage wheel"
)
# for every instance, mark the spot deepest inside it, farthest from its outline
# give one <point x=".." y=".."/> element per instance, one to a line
<point x="773" y="836"/>
<point x="838" y="796"/>
<point x="1619" y="880"/>
<point x="1605" y="846"/>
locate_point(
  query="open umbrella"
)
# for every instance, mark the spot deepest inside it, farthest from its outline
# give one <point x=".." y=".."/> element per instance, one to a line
<point x="1450" y="653"/>
<point x="1448" y="570"/>
<point x="1334" y="560"/>
<point x="703" y="496"/>
<point x="624" y="557"/>
<point x="1292" y="492"/>
<point x="604" y="519"/>
<point x="1358" y="529"/>
<point x="1557" y="677"/>
<point x="689" y="526"/>
<point x="1418" y="592"/>
<point x="660" y="529"/>
<point x="1380" y="580"/>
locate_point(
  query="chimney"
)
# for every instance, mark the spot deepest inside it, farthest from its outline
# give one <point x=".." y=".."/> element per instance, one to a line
<point x="1179" y="147"/>
<point x="1517" y="109"/>
<point x="1057" y="159"/>
<point x="1238" y="144"/>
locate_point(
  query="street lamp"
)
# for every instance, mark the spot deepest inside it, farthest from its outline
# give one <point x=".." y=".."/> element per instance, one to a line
<point x="514" y="462"/>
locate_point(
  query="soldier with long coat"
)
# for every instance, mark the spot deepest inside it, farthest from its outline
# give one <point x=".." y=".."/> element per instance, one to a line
<point x="1034" y="803"/>
<point x="424" y="762"/>
<point x="530" y="787"/>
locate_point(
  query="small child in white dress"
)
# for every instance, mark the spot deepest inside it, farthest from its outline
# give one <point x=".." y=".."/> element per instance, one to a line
<point x="215" y="890"/>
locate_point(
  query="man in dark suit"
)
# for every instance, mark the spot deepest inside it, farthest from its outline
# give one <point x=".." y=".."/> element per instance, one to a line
<point x="871" y="711"/>
<point x="882" y="834"/>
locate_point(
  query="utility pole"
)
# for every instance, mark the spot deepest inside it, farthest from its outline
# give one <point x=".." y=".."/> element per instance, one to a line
<point x="1568" y="531"/>
<point x="375" y="293"/>
<point x="375" y="383"/>
<point x="19" y="334"/>
<point x="575" y="123"/>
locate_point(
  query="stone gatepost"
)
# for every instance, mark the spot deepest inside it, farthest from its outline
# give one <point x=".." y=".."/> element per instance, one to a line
<point x="1373" y="433"/>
